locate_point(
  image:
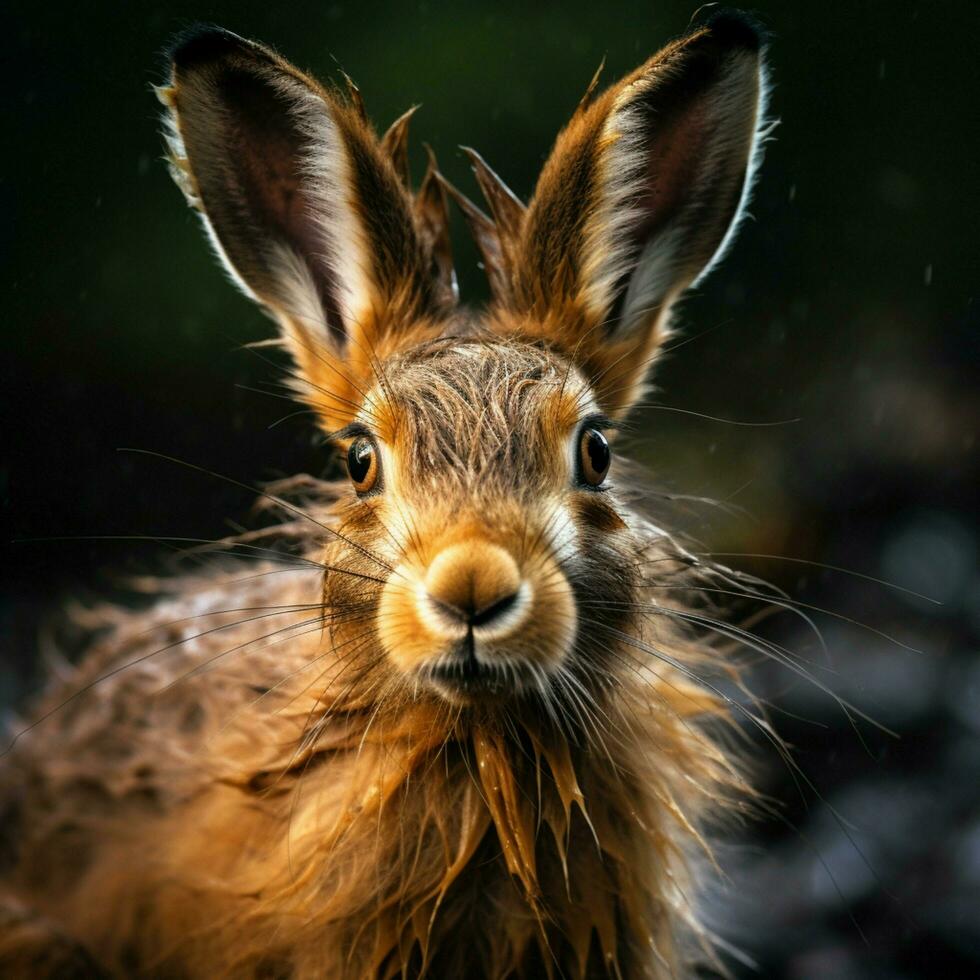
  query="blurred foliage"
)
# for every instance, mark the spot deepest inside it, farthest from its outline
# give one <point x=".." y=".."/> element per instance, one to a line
<point x="848" y="304"/>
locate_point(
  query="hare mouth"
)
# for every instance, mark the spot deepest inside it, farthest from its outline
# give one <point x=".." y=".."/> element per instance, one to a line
<point x="461" y="674"/>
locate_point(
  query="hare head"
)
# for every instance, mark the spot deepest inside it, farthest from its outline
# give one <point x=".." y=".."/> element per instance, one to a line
<point x="483" y="547"/>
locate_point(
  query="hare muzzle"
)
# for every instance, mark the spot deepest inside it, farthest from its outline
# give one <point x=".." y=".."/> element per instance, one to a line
<point x="474" y="590"/>
<point x="474" y="622"/>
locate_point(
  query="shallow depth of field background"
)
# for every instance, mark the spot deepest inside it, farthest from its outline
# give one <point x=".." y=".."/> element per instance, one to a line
<point x="848" y="304"/>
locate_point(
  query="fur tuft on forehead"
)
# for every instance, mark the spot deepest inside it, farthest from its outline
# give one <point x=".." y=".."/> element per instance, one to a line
<point x="473" y="406"/>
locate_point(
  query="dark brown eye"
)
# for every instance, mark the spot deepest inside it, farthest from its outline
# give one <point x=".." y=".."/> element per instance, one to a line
<point x="594" y="457"/>
<point x="362" y="464"/>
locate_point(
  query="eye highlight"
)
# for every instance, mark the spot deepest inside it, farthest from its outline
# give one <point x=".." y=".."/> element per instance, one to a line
<point x="362" y="464"/>
<point x="594" y="457"/>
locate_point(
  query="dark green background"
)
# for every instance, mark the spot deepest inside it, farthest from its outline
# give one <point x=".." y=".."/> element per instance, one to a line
<point x="847" y="303"/>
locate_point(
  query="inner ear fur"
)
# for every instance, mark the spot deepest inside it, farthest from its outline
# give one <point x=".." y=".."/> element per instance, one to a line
<point x="639" y="198"/>
<point x="307" y="210"/>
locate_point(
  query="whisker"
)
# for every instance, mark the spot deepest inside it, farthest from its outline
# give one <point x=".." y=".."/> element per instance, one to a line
<point x="771" y="650"/>
<point x="822" y="565"/>
<point x="126" y="666"/>
<point x="277" y="500"/>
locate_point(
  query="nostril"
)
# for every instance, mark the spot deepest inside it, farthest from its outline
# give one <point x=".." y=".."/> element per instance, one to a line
<point x="493" y="611"/>
<point x="467" y="616"/>
<point x="449" y="611"/>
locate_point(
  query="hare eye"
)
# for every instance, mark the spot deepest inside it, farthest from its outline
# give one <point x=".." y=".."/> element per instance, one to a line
<point x="362" y="464"/>
<point x="594" y="457"/>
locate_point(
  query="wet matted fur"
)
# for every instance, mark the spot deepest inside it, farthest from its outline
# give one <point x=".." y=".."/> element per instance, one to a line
<point x="461" y="714"/>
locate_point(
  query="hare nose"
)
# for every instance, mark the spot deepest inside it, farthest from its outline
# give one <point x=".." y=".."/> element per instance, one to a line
<point x="473" y="584"/>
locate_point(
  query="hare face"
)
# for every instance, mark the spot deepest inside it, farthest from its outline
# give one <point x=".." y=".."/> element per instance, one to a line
<point x="479" y="546"/>
<point x="488" y="501"/>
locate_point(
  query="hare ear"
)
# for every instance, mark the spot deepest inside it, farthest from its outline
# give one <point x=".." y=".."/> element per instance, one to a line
<point x="303" y="206"/>
<point x="640" y="196"/>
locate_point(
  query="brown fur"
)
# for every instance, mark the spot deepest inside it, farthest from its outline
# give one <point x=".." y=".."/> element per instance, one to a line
<point x="280" y="771"/>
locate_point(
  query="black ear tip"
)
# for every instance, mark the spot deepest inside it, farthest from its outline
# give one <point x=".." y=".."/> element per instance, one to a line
<point x="202" y="43"/>
<point x="734" y="28"/>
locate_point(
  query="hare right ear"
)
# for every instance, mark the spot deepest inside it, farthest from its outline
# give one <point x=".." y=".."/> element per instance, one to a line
<point x="305" y="208"/>
<point x="639" y="197"/>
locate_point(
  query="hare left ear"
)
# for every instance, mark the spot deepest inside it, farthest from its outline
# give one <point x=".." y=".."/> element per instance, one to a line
<point x="309" y="211"/>
<point x="639" y="198"/>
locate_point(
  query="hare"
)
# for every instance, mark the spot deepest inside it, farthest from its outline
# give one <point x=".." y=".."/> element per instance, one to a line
<point x="439" y="725"/>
